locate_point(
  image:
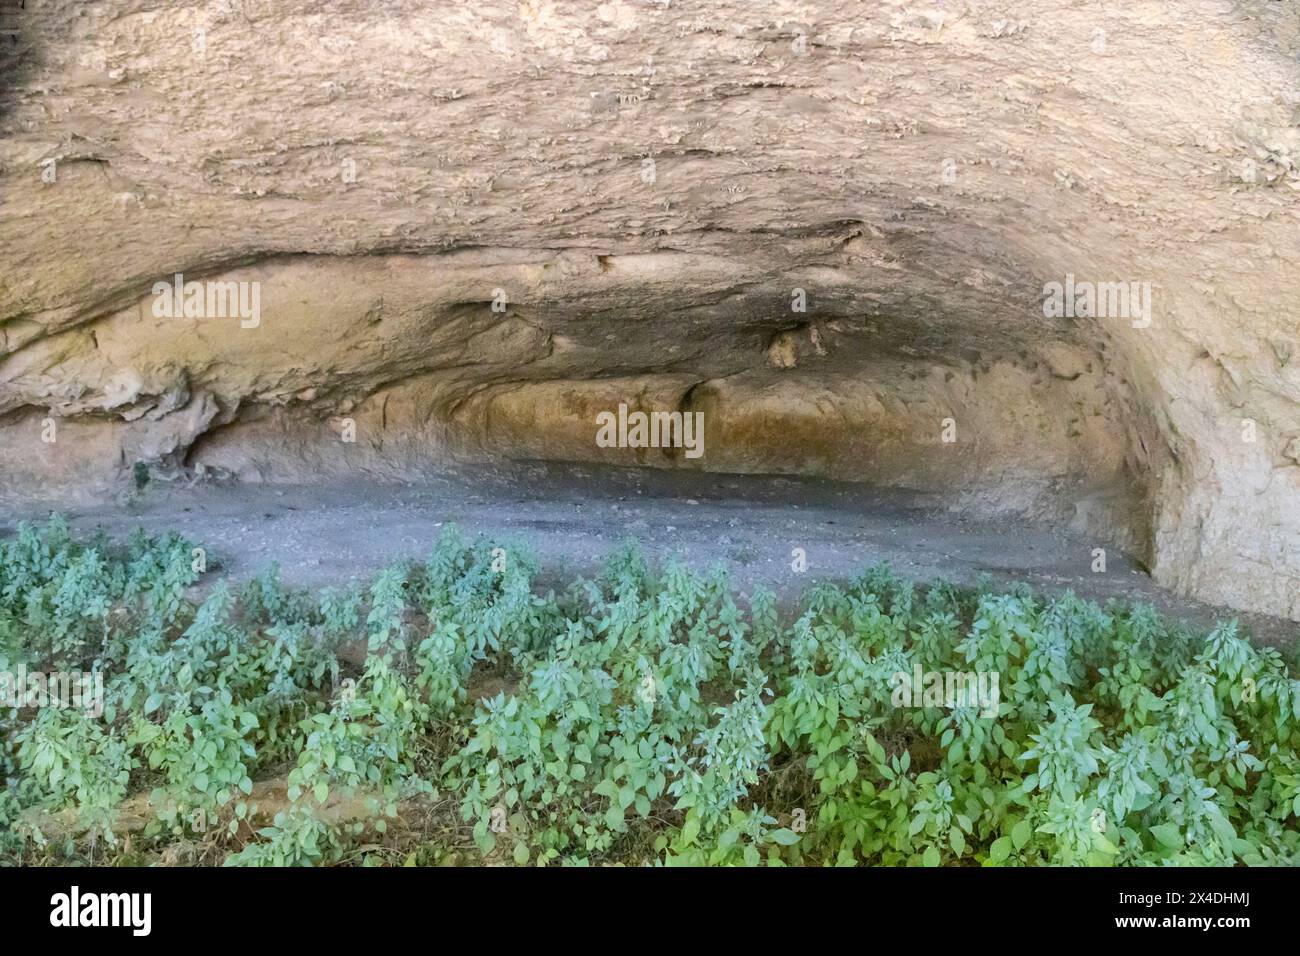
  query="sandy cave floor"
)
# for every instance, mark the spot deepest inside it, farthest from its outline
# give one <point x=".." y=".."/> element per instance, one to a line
<point x="572" y="516"/>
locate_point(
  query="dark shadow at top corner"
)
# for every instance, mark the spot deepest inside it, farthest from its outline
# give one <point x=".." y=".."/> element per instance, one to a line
<point x="19" y="51"/>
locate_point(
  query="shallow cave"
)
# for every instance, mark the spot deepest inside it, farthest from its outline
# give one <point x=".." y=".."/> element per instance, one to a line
<point x="839" y="258"/>
<point x="640" y="432"/>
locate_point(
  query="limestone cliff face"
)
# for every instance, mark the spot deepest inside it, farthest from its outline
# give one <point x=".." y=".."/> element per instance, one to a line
<point x="473" y="226"/>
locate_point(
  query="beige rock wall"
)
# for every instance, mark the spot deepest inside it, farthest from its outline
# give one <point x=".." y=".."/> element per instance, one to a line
<point x="645" y="185"/>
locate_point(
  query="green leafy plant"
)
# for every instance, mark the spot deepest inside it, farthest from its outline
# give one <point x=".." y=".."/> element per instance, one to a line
<point x="454" y="710"/>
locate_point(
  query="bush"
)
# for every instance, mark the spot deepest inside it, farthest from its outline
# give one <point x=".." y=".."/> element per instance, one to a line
<point x="637" y="717"/>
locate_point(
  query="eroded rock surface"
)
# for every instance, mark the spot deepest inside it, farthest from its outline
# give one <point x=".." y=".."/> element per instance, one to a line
<point x="472" y="227"/>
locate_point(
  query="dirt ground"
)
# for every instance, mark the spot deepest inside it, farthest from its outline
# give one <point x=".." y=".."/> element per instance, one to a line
<point x="573" y="516"/>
